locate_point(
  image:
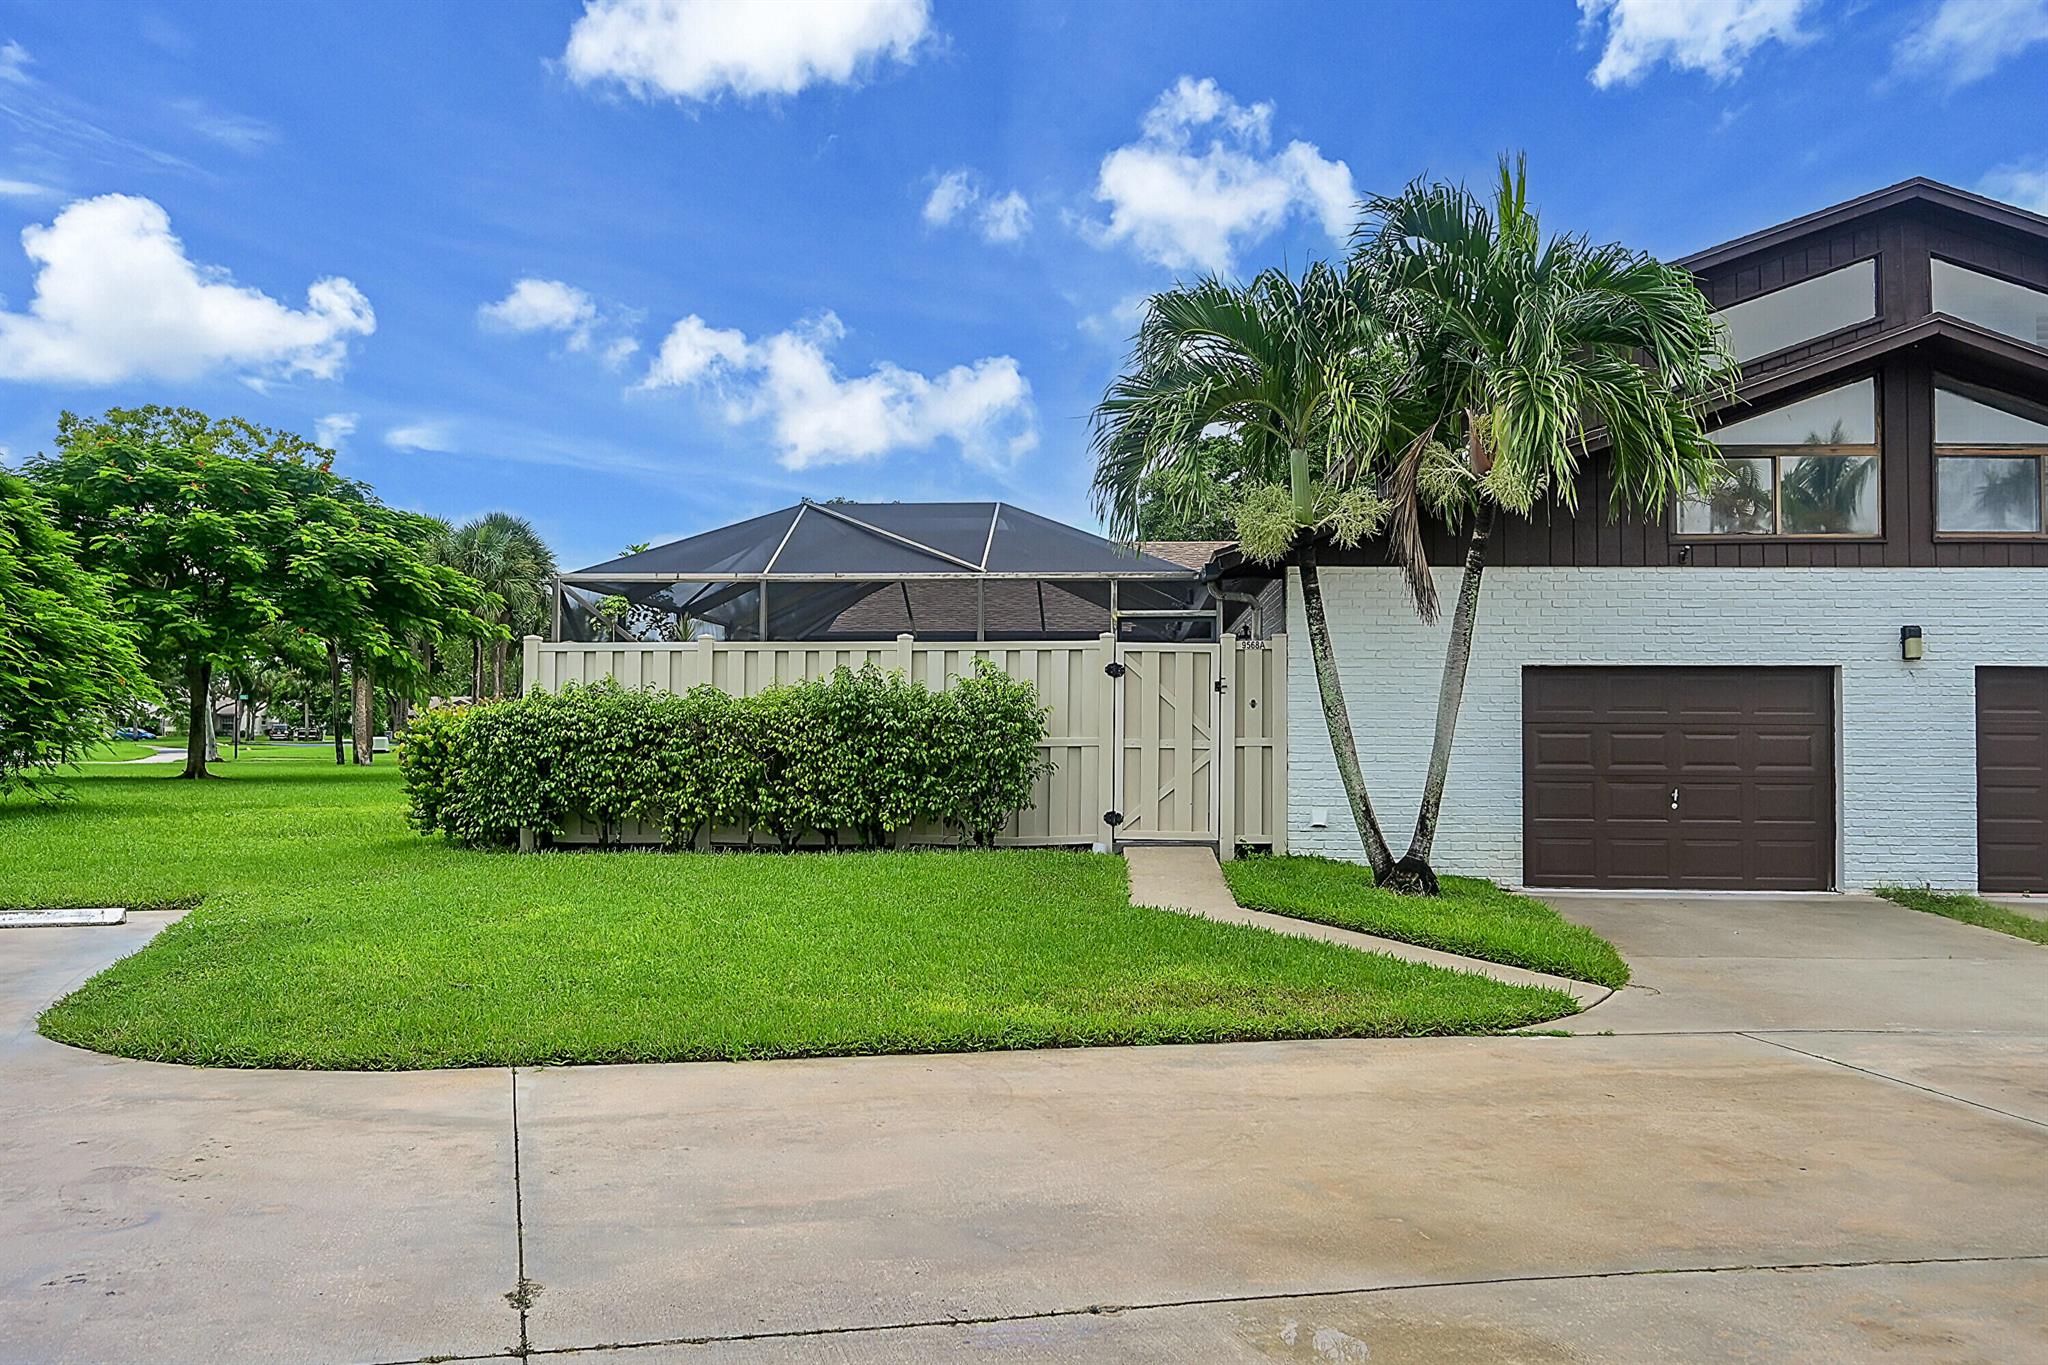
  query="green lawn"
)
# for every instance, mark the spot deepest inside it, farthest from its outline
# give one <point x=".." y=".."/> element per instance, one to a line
<point x="1969" y="909"/>
<point x="1472" y="917"/>
<point x="329" y="935"/>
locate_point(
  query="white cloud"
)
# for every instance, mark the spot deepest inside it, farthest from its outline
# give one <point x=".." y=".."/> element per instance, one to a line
<point x="14" y="60"/>
<point x="821" y="417"/>
<point x="953" y="195"/>
<point x="1966" y="40"/>
<point x="24" y="189"/>
<point x="691" y="349"/>
<point x="1006" y="218"/>
<point x="701" y="49"/>
<point x="1119" y="321"/>
<point x="236" y="131"/>
<point x="334" y="428"/>
<point x="116" y="298"/>
<point x="1712" y="37"/>
<point x="1200" y="182"/>
<point x="958" y="195"/>
<point x="2024" y="183"/>
<point x="537" y="305"/>
<point x="429" y="436"/>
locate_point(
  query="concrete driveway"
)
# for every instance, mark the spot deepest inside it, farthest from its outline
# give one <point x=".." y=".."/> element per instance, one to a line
<point x="1816" y="1133"/>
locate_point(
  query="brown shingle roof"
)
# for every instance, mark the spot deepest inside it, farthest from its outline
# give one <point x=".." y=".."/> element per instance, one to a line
<point x="1191" y="554"/>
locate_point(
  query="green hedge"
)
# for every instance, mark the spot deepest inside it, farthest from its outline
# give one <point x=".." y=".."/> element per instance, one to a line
<point x="855" y="758"/>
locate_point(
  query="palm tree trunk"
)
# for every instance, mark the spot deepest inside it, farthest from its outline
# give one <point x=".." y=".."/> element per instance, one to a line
<point x="498" y="648"/>
<point x="1413" y="875"/>
<point x="199" y="678"/>
<point x="1338" y="718"/>
<point x="363" y="724"/>
<point x="334" y="699"/>
<point x="476" y="667"/>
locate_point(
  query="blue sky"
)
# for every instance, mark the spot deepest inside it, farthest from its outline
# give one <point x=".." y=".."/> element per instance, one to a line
<point x="638" y="268"/>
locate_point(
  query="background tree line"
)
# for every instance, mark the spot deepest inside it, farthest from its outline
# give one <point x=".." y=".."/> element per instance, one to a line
<point x="159" y="556"/>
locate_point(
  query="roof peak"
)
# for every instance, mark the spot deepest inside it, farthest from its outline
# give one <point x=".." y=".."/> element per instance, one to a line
<point x="1918" y="189"/>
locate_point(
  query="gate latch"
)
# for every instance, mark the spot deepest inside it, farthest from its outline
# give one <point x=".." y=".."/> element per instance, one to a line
<point x="1114" y="669"/>
<point x="1112" y="818"/>
<point x="1219" y="684"/>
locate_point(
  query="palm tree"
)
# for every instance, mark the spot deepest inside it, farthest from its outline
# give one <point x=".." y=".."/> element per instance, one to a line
<point x="1741" y="500"/>
<point x="1534" y="345"/>
<point x="1316" y="393"/>
<point x="507" y="556"/>
<point x="1825" y="495"/>
<point x="2009" y="498"/>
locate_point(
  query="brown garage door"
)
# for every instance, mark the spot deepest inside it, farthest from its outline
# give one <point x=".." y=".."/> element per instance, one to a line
<point x="2012" y="779"/>
<point x="1700" y="778"/>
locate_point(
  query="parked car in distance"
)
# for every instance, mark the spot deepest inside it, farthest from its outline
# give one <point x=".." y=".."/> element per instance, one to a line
<point x="133" y="732"/>
<point x="277" y="729"/>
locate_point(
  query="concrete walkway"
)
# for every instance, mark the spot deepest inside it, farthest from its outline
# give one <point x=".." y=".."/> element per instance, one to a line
<point x="1714" y="1187"/>
<point x="1187" y="878"/>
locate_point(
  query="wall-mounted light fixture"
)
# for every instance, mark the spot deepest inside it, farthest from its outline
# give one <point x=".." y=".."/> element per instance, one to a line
<point x="1911" y="646"/>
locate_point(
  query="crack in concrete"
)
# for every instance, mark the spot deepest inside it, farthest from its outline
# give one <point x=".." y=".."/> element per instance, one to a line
<point x="1897" y="1080"/>
<point x="522" y="1295"/>
<point x="1220" y="1300"/>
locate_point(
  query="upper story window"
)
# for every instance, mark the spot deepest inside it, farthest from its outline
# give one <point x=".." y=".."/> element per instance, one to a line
<point x="1801" y="312"/>
<point x="1997" y="305"/>
<point x="1988" y="461"/>
<point x="1809" y="468"/>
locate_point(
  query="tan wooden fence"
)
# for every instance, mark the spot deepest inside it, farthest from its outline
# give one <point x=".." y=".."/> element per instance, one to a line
<point x="1151" y="749"/>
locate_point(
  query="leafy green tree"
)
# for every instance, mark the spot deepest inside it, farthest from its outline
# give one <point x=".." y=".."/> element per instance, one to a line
<point x="364" y="578"/>
<point x="1529" y="346"/>
<point x="1321" y="400"/>
<point x="68" y="662"/>
<point x="213" y="534"/>
<point x="192" y="536"/>
<point x="1196" y="500"/>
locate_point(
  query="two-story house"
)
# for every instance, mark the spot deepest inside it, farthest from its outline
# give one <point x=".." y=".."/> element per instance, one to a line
<point x="1832" y="673"/>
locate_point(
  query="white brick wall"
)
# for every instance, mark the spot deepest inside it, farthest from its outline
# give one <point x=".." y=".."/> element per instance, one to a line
<point x="1906" y="744"/>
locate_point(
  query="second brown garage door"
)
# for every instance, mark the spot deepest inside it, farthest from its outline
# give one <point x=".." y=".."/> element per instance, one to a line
<point x="1694" y="778"/>
<point x="2012" y="779"/>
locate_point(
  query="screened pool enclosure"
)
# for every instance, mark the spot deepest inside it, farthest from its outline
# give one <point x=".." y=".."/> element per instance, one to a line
<point x="975" y="571"/>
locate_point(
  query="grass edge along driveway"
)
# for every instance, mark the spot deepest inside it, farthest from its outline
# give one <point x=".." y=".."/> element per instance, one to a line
<point x="1472" y="917"/>
<point x="327" y="935"/>
<point x="1965" y="908"/>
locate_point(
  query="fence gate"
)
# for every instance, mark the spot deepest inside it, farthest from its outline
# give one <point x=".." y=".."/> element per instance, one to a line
<point x="1147" y="741"/>
<point x="1167" y="708"/>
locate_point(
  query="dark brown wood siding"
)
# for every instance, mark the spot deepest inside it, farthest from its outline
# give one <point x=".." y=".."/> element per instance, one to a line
<point x="1803" y="260"/>
<point x="1998" y="253"/>
<point x="1901" y="239"/>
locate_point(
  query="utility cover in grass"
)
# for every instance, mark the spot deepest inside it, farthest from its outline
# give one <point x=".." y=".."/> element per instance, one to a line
<point x="60" y="919"/>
